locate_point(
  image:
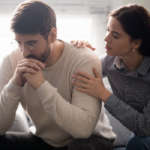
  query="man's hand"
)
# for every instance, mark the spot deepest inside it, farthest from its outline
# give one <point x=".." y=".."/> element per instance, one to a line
<point x="26" y="66"/>
<point x="35" y="80"/>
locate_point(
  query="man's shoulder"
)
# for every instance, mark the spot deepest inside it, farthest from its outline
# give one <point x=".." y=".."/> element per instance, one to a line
<point x="80" y="53"/>
<point x="15" y="54"/>
<point x="12" y="58"/>
<point x="81" y="59"/>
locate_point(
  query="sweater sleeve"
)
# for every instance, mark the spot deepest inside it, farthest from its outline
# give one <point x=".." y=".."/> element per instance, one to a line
<point x="137" y="122"/>
<point x="78" y="117"/>
<point x="9" y="96"/>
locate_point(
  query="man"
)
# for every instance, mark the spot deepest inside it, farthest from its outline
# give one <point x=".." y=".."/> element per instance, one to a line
<point x="39" y="76"/>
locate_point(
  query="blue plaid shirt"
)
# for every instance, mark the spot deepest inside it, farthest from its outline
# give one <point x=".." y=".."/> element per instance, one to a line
<point x="130" y="101"/>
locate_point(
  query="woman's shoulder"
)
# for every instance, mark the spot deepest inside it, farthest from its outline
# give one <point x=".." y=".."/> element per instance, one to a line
<point x="107" y="59"/>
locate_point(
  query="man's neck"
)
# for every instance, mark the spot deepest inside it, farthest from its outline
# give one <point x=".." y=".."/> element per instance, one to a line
<point x="56" y="51"/>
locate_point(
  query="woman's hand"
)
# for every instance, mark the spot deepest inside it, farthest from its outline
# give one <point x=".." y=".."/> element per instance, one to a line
<point x="82" y="44"/>
<point x="91" y="85"/>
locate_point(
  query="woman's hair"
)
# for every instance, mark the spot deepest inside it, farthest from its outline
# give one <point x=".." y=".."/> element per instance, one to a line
<point x="135" y="20"/>
<point x="33" y="17"/>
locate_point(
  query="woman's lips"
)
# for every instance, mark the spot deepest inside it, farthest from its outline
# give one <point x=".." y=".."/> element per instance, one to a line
<point x="108" y="48"/>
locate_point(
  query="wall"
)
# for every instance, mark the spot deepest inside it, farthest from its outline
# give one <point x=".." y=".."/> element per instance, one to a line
<point x="145" y="3"/>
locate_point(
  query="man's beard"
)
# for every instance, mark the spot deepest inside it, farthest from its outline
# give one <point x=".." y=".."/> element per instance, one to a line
<point x="43" y="57"/>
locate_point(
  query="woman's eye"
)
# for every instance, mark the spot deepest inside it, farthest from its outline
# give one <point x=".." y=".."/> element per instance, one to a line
<point x="115" y="36"/>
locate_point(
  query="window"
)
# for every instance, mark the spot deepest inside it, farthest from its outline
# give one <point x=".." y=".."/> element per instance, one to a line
<point x="5" y="37"/>
<point x="75" y="28"/>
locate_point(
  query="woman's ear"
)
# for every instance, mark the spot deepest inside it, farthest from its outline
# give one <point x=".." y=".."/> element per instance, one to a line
<point x="52" y="35"/>
<point x="137" y="43"/>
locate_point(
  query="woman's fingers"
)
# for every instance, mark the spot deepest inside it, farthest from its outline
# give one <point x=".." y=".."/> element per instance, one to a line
<point x="76" y="43"/>
<point x="80" y="84"/>
<point x="93" y="48"/>
<point x="72" y="41"/>
<point x="87" y="44"/>
<point x="81" y="90"/>
<point x="83" y="79"/>
<point x="96" y="73"/>
<point x="80" y="43"/>
<point x="84" y="74"/>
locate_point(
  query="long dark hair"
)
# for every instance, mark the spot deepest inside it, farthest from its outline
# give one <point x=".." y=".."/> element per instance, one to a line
<point x="135" y="20"/>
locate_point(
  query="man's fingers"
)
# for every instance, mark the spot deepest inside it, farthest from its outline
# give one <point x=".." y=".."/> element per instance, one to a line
<point x="25" y="70"/>
<point x="31" y="60"/>
<point x="30" y="65"/>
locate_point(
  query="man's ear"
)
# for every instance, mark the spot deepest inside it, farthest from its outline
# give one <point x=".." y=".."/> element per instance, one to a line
<point x="137" y="43"/>
<point x="52" y="35"/>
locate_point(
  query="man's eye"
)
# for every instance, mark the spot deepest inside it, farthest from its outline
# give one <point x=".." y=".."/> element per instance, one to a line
<point x="30" y="44"/>
<point x="18" y="43"/>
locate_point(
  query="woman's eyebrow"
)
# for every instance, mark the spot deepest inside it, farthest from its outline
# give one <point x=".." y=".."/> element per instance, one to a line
<point x="116" y="32"/>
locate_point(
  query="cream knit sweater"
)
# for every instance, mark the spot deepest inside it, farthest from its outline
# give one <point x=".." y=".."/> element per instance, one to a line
<point x="58" y="111"/>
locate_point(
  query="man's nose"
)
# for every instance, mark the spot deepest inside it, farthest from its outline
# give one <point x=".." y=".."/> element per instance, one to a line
<point x="25" y="52"/>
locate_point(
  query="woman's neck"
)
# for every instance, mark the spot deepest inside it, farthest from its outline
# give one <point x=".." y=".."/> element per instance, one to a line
<point x="132" y="61"/>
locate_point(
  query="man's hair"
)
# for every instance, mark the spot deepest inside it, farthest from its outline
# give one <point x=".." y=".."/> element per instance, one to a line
<point x="33" y="17"/>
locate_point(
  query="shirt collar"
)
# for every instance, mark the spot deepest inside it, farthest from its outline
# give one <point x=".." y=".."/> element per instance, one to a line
<point x="143" y="69"/>
<point x="118" y="63"/>
<point x="145" y="66"/>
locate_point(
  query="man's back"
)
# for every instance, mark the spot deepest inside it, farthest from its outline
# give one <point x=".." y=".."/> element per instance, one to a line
<point x="57" y="110"/>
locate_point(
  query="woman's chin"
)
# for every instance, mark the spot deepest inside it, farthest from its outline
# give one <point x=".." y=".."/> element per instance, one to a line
<point x="109" y="52"/>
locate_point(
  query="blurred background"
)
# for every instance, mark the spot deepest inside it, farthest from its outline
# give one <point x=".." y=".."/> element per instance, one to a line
<point x="76" y="19"/>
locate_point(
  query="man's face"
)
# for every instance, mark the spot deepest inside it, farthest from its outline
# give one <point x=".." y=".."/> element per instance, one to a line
<point x="41" y="48"/>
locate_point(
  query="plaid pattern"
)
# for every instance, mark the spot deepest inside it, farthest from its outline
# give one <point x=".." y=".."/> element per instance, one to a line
<point x="130" y="101"/>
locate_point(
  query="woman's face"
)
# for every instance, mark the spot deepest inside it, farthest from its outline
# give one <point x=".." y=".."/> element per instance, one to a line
<point x="117" y="41"/>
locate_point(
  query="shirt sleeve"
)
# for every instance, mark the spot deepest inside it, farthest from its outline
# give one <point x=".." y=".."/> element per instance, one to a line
<point x="137" y="122"/>
<point x="78" y="117"/>
<point x="9" y="96"/>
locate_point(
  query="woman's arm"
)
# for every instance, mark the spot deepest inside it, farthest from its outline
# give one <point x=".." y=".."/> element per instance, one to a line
<point x="91" y="85"/>
<point x="137" y="122"/>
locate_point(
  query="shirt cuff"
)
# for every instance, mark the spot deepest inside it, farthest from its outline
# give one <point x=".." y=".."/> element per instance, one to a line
<point x="111" y="102"/>
<point x="46" y="90"/>
<point x="13" y="89"/>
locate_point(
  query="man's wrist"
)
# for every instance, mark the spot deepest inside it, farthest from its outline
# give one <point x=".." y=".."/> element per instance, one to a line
<point x="38" y="84"/>
<point x="14" y="82"/>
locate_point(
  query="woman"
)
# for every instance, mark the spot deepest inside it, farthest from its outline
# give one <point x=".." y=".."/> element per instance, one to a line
<point x="127" y="66"/>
